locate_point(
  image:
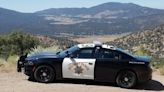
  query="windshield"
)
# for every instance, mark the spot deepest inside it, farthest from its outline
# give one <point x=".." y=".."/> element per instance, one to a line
<point x="70" y="50"/>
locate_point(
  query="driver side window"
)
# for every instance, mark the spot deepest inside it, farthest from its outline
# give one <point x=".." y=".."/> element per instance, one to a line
<point x="84" y="53"/>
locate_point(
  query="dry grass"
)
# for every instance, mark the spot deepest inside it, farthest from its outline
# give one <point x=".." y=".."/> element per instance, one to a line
<point x="161" y="70"/>
<point x="6" y="68"/>
<point x="9" y="65"/>
<point x="42" y="49"/>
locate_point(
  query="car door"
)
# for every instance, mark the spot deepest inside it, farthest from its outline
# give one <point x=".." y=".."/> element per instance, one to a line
<point x="107" y="63"/>
<point x="80" y="66"/>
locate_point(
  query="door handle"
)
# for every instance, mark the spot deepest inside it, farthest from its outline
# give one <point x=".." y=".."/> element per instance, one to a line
<point x="90" y="63"/>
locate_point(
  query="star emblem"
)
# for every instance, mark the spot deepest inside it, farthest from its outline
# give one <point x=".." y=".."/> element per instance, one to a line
<point x="78" y="67"/>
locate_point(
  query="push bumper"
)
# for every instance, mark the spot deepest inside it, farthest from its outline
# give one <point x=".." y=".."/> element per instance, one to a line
<point x="21" y="62"/>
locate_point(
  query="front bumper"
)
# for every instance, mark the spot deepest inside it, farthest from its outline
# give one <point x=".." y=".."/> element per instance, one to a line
<point x="26" y="66"/>
<point x="28" y="70"/>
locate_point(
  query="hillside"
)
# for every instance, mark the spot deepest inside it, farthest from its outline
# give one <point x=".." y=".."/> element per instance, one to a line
<point x="29" y="22"/>
<point x="152" y="40"/>
<point x="106" y="10"/>
<point x="107" y="18"/>
<point x="61" y="42"/>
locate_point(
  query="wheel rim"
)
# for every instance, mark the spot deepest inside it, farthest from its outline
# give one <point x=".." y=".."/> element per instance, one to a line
<point x="44" y="74"/>
<point x="127" y="79"/>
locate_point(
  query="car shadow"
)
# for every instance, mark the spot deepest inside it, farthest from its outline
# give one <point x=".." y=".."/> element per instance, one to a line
<point x="152" y="85"/>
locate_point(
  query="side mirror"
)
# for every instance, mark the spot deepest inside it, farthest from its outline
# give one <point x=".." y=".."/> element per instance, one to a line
<point x="69" y="54"/>
<point x="58" y="52"/>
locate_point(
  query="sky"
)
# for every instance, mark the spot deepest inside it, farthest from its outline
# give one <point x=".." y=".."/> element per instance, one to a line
<point x="29" y="6"/>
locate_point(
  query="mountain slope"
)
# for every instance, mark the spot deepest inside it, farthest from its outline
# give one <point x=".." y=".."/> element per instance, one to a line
<point x="12" y="20"/>
<point x="128" y="10"/>
<point x="107" y="18"/>
<point x="152" y="40"/>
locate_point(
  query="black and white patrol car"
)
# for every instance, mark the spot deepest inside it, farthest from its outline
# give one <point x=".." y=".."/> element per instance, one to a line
<point x="98" y="62"/>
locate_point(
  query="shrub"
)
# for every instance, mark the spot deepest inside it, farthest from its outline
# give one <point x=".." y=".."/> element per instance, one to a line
<point x="17" y="43"/>
<point x="47" y="49"/>
<point x="157" y="63"/>
<point x="142" y="51"/>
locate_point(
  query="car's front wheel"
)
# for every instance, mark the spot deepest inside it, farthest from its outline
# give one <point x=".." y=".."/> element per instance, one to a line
<point x="126" y="79"/>
<point x="44" y="74"/>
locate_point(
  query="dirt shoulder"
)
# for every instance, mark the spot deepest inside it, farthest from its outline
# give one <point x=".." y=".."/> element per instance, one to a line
<point x="18" y="82"/>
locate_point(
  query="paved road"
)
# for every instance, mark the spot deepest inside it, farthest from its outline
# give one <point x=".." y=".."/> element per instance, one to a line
<point x="17" y="82"/>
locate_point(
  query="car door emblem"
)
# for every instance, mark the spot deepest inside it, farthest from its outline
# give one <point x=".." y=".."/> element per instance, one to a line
<point x="78" y="67"/>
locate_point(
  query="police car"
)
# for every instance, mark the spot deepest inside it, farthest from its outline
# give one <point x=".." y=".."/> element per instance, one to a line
<point x="98" y="62"/>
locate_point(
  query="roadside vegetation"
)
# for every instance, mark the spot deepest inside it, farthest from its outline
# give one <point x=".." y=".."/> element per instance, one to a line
<point x="8" y="65"/>
<point x="158" y="65"/>
<point x="45" y="49"/>
<point x="12" y="46"/>
<point x="15" y="44"/>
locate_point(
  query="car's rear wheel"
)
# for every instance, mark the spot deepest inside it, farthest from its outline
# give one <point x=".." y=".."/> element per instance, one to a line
<point x="126" y="79"/>
<point x="44" y="74"/>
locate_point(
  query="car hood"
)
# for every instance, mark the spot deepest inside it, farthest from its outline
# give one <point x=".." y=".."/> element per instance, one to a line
<point x="42" y="55"/>
<point x="143" y="58"/>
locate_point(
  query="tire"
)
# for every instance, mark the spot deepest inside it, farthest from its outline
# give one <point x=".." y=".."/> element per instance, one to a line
<point x="126" y="79"/>
<point x="44" y="74"/>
